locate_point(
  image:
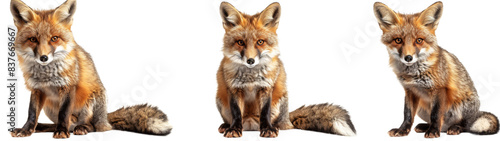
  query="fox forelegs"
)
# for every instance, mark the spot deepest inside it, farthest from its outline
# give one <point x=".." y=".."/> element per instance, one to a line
<point x="266" y="128"/>
<point x="410" y="108"/>
<point x="36" y="103"/>
<point x="236" y="127"/>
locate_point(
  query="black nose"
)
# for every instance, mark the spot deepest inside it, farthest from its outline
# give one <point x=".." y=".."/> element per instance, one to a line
<point x="250" y="61"/>
<point x="44" y="58"/>
<point x="408" y="58"/>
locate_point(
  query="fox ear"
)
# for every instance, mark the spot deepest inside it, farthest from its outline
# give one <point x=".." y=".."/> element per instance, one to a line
<point x="270" y="17"/>
<point x="386" y="17"/>
<point x="230" y="16"/>
<point x="430" y="16"/>
<point x="64" y="13"/>
<point x="21" y="12"/>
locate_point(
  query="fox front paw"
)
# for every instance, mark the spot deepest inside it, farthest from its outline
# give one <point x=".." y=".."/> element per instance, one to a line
<point x="432" y="133"/>
<point x="396" y="132"/>
<point x="233" y="133"/>
<point x="20" y="132"/>
<point x="61" y="134"/>
<point x="271" y="132"/>
<point x="223" y="127"/>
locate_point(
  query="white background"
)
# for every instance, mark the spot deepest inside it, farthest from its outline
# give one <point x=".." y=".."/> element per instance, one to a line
<point x="331" y="51"/>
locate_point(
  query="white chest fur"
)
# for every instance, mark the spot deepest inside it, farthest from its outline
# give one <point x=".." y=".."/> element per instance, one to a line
<point x="54" y="99"/>
<point x="53" y="74"/>
<point x="245" y="77"/>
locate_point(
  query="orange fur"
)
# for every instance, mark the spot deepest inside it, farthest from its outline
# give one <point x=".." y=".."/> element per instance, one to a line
<point x="436" y="83"/>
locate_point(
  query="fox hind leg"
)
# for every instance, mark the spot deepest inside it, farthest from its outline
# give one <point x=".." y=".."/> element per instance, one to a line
<point x="83" y="129"/>
<point x="99" y="114"/>
<point x="454" y="130"/>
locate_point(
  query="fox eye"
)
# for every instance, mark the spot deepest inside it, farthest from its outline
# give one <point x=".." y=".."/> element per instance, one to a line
<point x="398" y="40"/>
<point x="32" y="39"/>
<point x="419" y="40"/>
<point x="260" y="42"/>
<point x="240" y="43"/>
<point x="54" y="39"/>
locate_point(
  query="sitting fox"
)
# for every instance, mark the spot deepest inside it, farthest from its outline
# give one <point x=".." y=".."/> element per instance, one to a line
<point x="437" y="87"/>
<point x="251" y="93"/>
<point x="63" y="80"/>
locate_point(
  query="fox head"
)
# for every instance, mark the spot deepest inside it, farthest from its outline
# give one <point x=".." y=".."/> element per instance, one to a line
<point x="250" y="40"/>
<point x="43" y="35"/>
<point x="409" y="37"/>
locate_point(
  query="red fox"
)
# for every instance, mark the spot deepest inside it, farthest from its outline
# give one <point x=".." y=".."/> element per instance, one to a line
<point x="437" y="86"/>
<point x="64" y="82"/>
<point x="251" y="93"/>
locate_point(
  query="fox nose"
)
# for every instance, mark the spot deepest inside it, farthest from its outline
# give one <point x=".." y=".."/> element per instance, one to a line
<point x="408" y="58"/>
<point x="44" y="58"/>
<point x="250" y="61"/>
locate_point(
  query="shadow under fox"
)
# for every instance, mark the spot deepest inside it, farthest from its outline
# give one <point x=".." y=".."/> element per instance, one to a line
<point x="64" y="82"/>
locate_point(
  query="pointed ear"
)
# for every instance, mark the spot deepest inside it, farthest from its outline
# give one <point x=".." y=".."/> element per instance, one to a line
<point x="270" y="17"/>
<point x="386" y="17"/>
<point x="230" y="15"/>
<point x="64" y="13"/>
<point x="430" y="16"/>
<point x="21" y="12"/>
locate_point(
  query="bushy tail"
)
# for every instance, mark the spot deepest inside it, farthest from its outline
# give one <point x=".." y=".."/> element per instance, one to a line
<point x="325" y="117"/>
<point x="140" y="118"/>
<point x="485" y="124"/>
